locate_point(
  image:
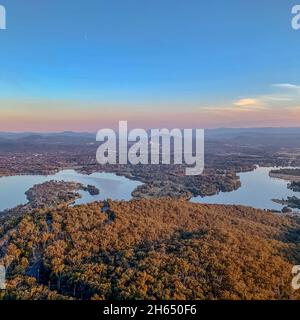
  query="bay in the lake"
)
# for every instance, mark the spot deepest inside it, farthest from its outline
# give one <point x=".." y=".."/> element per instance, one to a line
<point x="13" y="188"/>
<point x="257" y="191"/>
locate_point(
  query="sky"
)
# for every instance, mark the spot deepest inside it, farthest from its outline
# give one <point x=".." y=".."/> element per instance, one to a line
<point x="86" y="64"/>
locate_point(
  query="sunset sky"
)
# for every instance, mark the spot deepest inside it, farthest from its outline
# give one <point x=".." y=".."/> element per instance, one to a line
<point x="81" y="65"/>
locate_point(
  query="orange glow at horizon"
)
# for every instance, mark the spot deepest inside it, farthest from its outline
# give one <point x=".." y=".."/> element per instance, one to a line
<point x="66" y="118"/>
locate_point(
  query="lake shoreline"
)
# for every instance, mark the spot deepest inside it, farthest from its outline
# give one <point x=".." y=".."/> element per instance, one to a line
<point x="284" y="177"/>
<point x="258" y="189"/>
<point x="13" y="188"/>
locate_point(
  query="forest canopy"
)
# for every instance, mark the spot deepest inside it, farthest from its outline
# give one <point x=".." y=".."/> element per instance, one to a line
<point x="150" y="249"/>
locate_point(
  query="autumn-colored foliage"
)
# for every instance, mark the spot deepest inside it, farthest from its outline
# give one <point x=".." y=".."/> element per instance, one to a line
<point x="151" y="249"/>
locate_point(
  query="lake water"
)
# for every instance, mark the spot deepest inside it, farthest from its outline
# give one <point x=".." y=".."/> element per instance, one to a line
<point x="12" y="189"/>
<point x="257" y="191"/>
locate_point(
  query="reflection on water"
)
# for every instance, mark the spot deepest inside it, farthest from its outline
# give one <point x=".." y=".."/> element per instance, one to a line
<point x="257" y="190"/>
<point x="12" y="189"/>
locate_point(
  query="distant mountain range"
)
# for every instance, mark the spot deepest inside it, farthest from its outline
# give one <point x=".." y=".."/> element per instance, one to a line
<point x="271" y="136"/>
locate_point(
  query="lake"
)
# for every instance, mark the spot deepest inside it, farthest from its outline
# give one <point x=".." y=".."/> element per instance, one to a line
<point x="13" y="188"/>
<point x="257" y="191"/>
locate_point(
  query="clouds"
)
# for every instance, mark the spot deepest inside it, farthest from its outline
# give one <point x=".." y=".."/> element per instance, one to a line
<point x="280" y="95"/>
<point x="287" y="86"/>
<point x="278" y="105"/>
<point x="290" y="91"/>
<point x="246" y="102"/>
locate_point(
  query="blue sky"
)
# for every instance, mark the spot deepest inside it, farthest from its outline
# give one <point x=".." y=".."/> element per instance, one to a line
<point x="147" y="54"/>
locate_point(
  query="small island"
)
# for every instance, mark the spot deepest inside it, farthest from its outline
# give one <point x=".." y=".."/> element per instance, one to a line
<point x="53" y="193"/>
<point x="50" y="194"/>
<point x="92" y="190"/>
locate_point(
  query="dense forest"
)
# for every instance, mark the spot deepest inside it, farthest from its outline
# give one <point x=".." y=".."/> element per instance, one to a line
<point x="150" y="249"/>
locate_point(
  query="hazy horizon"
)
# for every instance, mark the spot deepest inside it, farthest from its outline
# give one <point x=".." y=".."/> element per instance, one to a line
<point x="130" y="128"/>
